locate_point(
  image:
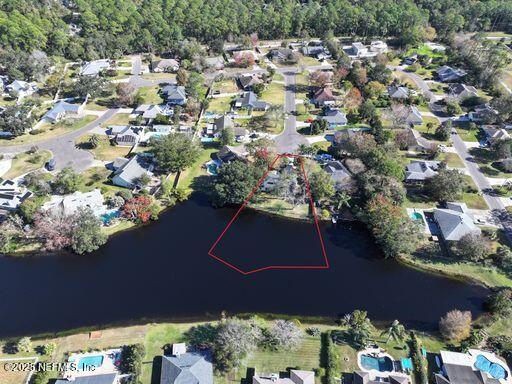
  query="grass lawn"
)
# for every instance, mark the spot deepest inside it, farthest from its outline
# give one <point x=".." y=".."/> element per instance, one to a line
<point x="474" y="201"/>
<point x="188" y="176"/>
<point x="48" y="131"/>
<point x="225" y="86"/>
<point x="404" y="79"/>
<point x="14" y="377"/>
<point x="467" y="135"/>
<point x="97" y="177"/>
<point x="150" y="95"/>
<point x="25" y="163"/>
<point x="93" y="106"/>
<point x="424" y="50"/>
<point x="452" y="159"/>
<point x="220" y="104"/>
<point x="118" y="119"/>
<point x="160" y="76"/>
<point x="104" y="150"/>
<point x="273" y="94"/>
<point x="280" y="207"/>
<point x="507" y="78"/>
<point x="309" y="61"/>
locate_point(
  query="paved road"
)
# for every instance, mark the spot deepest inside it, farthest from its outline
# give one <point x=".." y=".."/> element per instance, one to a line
<point x="420" y="83"/>
<point x="289" y="140"/>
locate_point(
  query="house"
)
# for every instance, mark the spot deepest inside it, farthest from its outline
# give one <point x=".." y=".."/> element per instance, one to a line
<point x="241" y="134"/>
<point x="63" y="109"/>
<point x="126" y="136"/>
<point x="449" y="74"/>
<point x="359" y="49"/>
<point x="378" y="46"/>
<point x="249" y="100"/>
<point x="296" y="377"/>
<point x="162" y="129"/>
<point x="12" y="195"/>
<point x="361" y="377"/>
<point x="129" y="174"/>
<point x="398" y="92"/>
<point x="455" y="221"/>
<point x="93" y="68"/>
<point x="317" y="51"/>
<point x="420" y="170"/>
<point x="4" y="80"/>
<point x="69" y="204"/>
<point x="150" y="111"/>
<point x="107" y="378"/>
<point x="323" y="96"/>
<point x="229" y="153"/>
<point x="186" y="368"/>
<point x="20" y="89"/>
<point x="246" y="81"/>
<point x="483" y="114"/>
<point x="339" y="174"/>
<point x="473" y="367"/>
<point x="270" y="182"/>
<point x="414" y="116"/>
<point x="494" y="134"/>
<point x="217" y="63"/>
<point x="335" y="118"/>
<point x="222" y="122"/>
<point x="462" y="91"/>
<point x="174" y="94"/>
<point x="165" y="65"/>
<point x="415" y="142"/>
<point x="343" y="136"/>
<point x="282" y="55"/>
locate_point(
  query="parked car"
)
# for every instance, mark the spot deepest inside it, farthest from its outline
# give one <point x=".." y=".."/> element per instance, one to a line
<point x="50" y="165"/>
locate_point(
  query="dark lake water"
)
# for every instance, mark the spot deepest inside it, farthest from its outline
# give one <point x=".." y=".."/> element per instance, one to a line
<point x="163" y="271"/>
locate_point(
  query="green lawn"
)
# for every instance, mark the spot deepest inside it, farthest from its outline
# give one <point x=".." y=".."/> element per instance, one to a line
<point x="273" y="94"/>
<point x="118" y="119"/>
<point x="220" y="104"/>
<point x="187" y="177"/>
<point x="48" y="131"/>
<point x="98" y="177"/>
<point x="452" y="159"/>
<point x="225" y="86"/>
<point x="104" y="150"/>
<point x="27" y="162"/>
<point x="424" y="50"/>
<point x="467" y="135"/>
<point x="150" y="95"/>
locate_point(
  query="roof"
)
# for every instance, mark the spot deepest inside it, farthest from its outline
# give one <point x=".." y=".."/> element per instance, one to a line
<point x="361" y="377"/>
<point x="335" y="116"/>
<point x="166" y="63"/>
<point x="358" y="45"/>
<point x="137" y="166"/>
<point x="217" y="61"/>
<point x="323" y="94"/>
<point x="69" y="204"/>
<point x="495" y="134"/>
<point x="248" y="80"/>
<point x="447" y="73"/>
<point x="93" y="68"/>
<point x="12" y="194"/>
<point x="414" y="115"/>
<point x="458" y="89"/>
<point x="249" y="99"/>
<point x="224" y="122"/>
<point x="240" y="131"/>
<point x="302" y="377"/>
<point x="187" y="368"/>
<point x="229" y="152"/>
<point x="415" y="139"/>
<point x="337" y="171"/>
<point x="174" y="92"/>
<point x="455" y="221"/>
<point x="397" y="92"/>
<point x="421" y="170"/>
<point x="20" y="85"/>
<point x="108" y="378"/>
<point x="150" y="111"/>
<point x="62" y="107"/>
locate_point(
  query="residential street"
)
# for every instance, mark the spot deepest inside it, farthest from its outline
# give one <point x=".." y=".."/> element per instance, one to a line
<point x="289" y="139"/>
<point x="420" y="83"/>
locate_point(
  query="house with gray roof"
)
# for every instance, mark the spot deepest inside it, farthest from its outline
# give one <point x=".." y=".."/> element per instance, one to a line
<point x="125" y="135"/>
<point x="247" y="80"/>
<point x="449" y="74"/>
<point x="249" y="100"/>
<point x="20" y="88"/>
<point x="174" y="94"/>
<point x="339" y="174"/>
<point x="150" y="111"/>
<point x="216" y="62"/>
<point x="69" y="204"/>
<point x="129" y="174"/>
<point x="455" y="221"/>
<point x="414" y="116"/>
<point x="462" y="91"/>
<point x="323" y="96"/>
<point x="222" y="122"/>
<point x="494" y="134"/>
<point x="186" y="368"/>
<point x="62" y="109"/>
<point x="108" y="378"/>
<point x="165" y="65"/>
<point x="415" y="142"/>
<point x="93" y="68"/>
<point x="398" y="92"/>
<point x="483" y="114"/>
<point x="240" y="134"/>
<point x="361" y="377"/>
<point x="420" y="170"/>
<point x="335" y="118"/>
<point x="295" y="377"/>
<point x="229" y="153"/>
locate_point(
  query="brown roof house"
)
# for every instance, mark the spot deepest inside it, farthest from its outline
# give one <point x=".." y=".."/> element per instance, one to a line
<point x="323" y="97"/>
<point x="416" y="142"/>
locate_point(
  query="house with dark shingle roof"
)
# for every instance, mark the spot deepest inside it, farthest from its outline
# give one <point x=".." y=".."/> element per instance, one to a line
<point x="247" y="81"/>
<point x="165" y="65"/>
<point x="222" y="122"/>
<point x="420" y="170"/>
<point x="186" y="368"/>
<point x="398" y="92"/>
<point x="416" y="142"/>
<point x="249" y="100"/>
<point x="339" y="174"/>
<point x="447" y="73"/>
<point x="323" y="96"/>
<point x="462" y="91"/>
<point x="455" y="221"/>
<point x="109" y="378"/>
<point x="129" y="174"/>
<point x="174" y="94"/>
<point x="335" y="118"/>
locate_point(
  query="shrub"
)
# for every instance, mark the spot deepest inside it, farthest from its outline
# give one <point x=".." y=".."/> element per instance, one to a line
<point x="330" y="358"/>
<point x="36" y="131"/>
<point x="455" y="325"/>
<point x="284" y="334"/>
<point x="420" y="368"/>
<point x="313" y="331"/>
<point x="48" y="349"/>
<point x="500" y="303"/>
<point x="131" y="361"/>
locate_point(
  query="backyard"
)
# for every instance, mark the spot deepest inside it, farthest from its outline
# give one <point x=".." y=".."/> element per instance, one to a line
<point x="27" y="162"/>
<point x="104" y="150"/>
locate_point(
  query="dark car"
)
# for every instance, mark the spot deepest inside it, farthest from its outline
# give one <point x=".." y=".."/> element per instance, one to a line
<point x="50" y="165"/>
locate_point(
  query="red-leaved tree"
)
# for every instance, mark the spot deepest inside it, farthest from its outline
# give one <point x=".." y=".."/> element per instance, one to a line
<point x="138" y="209"/>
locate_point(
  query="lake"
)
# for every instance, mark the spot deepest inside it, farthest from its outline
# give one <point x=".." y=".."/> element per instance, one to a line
<point x="163" y="271"/>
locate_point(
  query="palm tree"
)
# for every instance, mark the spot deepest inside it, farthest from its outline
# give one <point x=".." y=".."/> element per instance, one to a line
<point x="94" y="141"/>
<point x="340" y="200"/>
<point x="274" y="116"/>
<point x="396" y="331"/>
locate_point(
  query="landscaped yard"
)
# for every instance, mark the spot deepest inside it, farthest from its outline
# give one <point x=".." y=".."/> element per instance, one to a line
<point x="48" y="131"/>
<point x="220" y="104"/>
<point x="104" y="150"/>
<point x="225" y="86"/>
<point x="451" y="159"/>
<point x="187" y="177"/>
<point x="27" y="162"/>
<point x="150" y="95"/>
<point x="425" y="50"/>
<point x="97" y="177"/>
<point x="273" y="94"/>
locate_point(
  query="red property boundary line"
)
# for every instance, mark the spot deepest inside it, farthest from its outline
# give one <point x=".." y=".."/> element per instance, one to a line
<point x="244" y="204"/>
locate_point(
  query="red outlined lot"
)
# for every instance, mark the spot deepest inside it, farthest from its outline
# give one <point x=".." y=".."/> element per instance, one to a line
<point x="324" y="265"/>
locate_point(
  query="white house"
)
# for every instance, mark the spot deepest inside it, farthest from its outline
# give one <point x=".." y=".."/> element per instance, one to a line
<point x="62" y="109"/>
<point x="69" y="204"/>
<point x="128" y="175"/>
<point x="20" y="89"/>
<point x="93" y="68"/>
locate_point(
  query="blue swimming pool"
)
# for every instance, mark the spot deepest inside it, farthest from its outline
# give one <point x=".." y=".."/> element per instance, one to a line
<point x="106" y="218"/>
<point x="416" y="216"/>
<point x="382" y="364"/>
<point x="495" y="370"/>
<point x="213" y="169"/>
<point x="88" y="363"/>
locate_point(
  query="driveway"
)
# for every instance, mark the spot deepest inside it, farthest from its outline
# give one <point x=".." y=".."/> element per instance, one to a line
<point x="289" y="140"/>
<point x="420" y="83"/>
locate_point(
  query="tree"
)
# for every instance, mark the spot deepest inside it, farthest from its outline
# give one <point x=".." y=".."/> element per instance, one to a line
<point x="318" y="126"/>
<point x="500" y="303"/>
<point x="472" y="247"/>
<point x="181" y="77"/>
<point x="175" y="152"/>
<point x="447" y="185"/>
<point x="54" y="231"/>
<point x="49" y="348"/>
<point x="140" y="209"/>
<point x="87" y="235"/>
<point x="455" y="325"/>
<point x="320" y="78"/>
<point x="373" y="184"/>
<point x="396" y="331"/>
<point x="93" y="86"/>
<point x="452" y="107"/>
<point x="393" y="230"/>
<point x="235" y="339"/>
<point x="233" y="184"/>
<point x="94" y="140"/>
<point x="284" y="334"/>
<point x="321" y="185"/>
<point x="194" y="84"/>
<point x="359" y="327"/>
<point x="367" y="111"/>
<point x="353" y="99"/>
<point x="67" y="181"/>
<point x="16" y="119"/>
<point x="24" y="344"/>
<point x="227" y="136"/>
<point x="125" y="93"/>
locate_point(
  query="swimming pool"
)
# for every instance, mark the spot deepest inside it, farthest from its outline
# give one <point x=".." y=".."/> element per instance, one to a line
<point x="416" y="216"/>
<point x="382" y="363"/>
<point x="89" y="363"/>
<point x="495" y="370"/>
<point x="106" y="218"/>
<point x="212" y="169"/>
